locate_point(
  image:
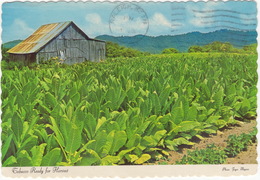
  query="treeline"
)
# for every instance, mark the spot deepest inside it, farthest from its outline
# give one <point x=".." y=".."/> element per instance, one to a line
<point x="223" y="47"/>
<point x="216" y="47"/>
<point x="115" y="50"/>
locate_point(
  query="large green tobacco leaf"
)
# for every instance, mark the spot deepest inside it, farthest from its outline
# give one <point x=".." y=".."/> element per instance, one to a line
<point x="205" y="89"/>
<point x="187" y="126"/>
<point x="50" y="100"/>
<point x="75" y="98"/>
<point x="177" y="114"/>
<point x="115" y="140"/>
<point x="153" y="140"/>
<point x="176" y="142"/>
<point x="155" y="103"/>
<point x="112" y="126"/>
<point x="245" y="107"/>
<point x="32" y="123"/>
<point x="24" y="159"/>
<point x="20" y="100"/>
<point x="100" y="124"/>
<point x="131" y="157"/>
<point x="6" y="145"/>
<point x="99" y="142"/>
<point x="51" y="158"/>
<point x="57" y="131"/>
<point x="142" y="159"/>
<point x="17" y="126"/>
<point x="115" y="96"/>
<point x="218" y="98"/>
<point x="132" y="94"/>
<point x="213" y="119"/>
<point x="45" y="86"/>
<point x="94" y="109"/>
<point x="28" y="143"/>
<point x="192" y="114"/>
<point x="142" y="128"/>
<point x="51" y="143"/>
<point x="37" y="154"/>
<point x="90" y="157"/>
<point x="121" y="120"/>
<point x="11" y="161"/>
<point x="146" y="108"/>
<point x="165" y="95"/>
<point x="109" y="160"/>
<point x="133" y="141"/>
<point x="90" y="125"/>
<point x="149" y="141"/>
<point x="159" y="135"/>
<point x="73" y="140"/>
<point x="123" y="153"/>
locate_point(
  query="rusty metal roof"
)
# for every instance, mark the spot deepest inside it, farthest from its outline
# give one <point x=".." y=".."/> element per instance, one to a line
<point x="39" y="38"/>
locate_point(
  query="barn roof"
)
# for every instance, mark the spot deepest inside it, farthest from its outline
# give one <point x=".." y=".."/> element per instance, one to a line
<point x="43" y="36"/>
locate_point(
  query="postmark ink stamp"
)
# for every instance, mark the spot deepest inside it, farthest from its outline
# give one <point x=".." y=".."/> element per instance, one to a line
<point x="128" y="19"/>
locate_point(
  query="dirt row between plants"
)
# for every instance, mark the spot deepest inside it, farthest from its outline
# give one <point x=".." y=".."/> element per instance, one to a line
<point x="219" y="139"/>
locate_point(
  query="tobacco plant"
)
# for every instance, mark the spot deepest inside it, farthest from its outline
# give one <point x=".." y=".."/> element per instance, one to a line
<point x="121" y="111"/>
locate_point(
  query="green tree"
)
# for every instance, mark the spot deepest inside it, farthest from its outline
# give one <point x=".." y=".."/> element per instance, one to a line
<point x="5" y="55"/>
<point x="195" y="49"/>
<point x="215" y="46"/>
<point x="170" y="51"/>
<point x="226" y="47"/>
<point x="115" y="50"/>
<point x="252" y="48"/>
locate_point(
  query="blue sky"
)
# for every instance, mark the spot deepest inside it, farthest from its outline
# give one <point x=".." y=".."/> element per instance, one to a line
<point x="19" y="20"/>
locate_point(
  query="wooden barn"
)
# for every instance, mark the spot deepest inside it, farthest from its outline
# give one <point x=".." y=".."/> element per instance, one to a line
<point x="64" y="40"/>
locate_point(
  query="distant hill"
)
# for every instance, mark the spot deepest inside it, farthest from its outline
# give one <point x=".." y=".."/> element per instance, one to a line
<point x="11" y="44"/>
<point x="182" y="42"/>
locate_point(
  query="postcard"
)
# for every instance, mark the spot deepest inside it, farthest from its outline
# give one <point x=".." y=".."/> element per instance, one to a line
<point x="129" y="88"/>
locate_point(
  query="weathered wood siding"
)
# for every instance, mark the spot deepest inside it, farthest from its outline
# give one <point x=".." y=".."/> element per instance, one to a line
<point x="23" y="58"/>
<point x="72" y="47"/>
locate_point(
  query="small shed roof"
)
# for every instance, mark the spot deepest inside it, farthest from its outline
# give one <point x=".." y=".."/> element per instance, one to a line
<point x="41" y="37"/>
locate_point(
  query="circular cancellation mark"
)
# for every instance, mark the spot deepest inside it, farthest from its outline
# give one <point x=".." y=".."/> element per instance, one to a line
<point x="128" y="19"/>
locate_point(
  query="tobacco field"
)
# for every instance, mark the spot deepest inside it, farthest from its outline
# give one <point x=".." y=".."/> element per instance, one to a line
<point x="123" y="110"/>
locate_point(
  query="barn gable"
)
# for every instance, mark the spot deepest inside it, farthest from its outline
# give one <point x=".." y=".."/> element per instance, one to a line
<point x="39" y="38"/>
<point x="64" y="40"/>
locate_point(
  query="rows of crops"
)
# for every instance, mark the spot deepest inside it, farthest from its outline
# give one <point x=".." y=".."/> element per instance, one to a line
<point x="122" y="111"/>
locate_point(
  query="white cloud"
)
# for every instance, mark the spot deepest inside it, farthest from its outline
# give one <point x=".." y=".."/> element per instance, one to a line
<point x="159" y="24"/>
<point x="95" y="26"/>
<point x="20" y="29"/>
<point x="197" y="22"/>
<point x="160" y="20"/>
<point x="93" y="18"/>
<point x="123" y="25"/>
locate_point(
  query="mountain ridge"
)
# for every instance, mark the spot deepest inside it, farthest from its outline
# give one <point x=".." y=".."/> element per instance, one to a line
<point x="11" y="44"/>
<point x="181" y="42"/>
<point x="155" y="44"/>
